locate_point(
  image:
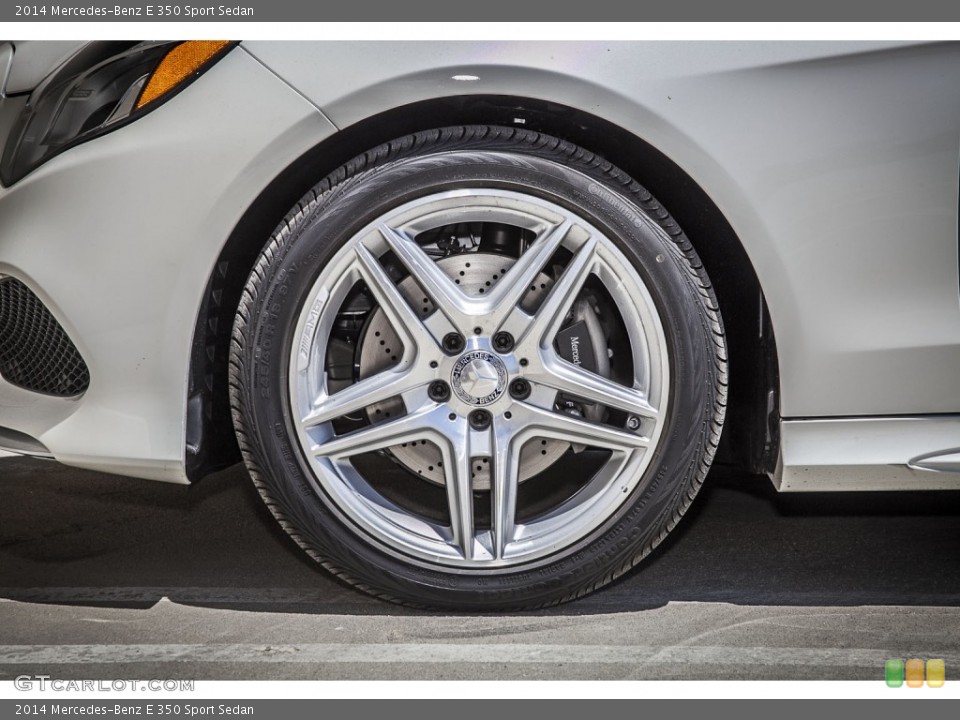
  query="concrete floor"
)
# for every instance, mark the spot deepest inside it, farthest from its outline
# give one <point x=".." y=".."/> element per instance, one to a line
<point x="105" y="577"/>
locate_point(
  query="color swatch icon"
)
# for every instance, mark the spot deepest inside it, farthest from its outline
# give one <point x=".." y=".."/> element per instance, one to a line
<point x="896" y="672"/>
<point x="936" y="673"/>
<point x="914" y="673"/>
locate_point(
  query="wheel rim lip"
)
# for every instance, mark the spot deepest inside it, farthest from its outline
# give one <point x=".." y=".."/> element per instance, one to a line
<point x="413" y="539"/>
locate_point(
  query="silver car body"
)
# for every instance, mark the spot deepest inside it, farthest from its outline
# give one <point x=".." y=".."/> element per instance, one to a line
<point x="836" y="164"/>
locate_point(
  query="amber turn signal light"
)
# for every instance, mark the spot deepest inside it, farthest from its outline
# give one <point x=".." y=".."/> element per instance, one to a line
<point x="178" y="65"/>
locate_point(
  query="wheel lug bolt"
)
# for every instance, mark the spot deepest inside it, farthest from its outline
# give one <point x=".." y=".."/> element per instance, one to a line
<point x="503" y="342"/>
<point x="520" y="389"/>
<point x="439" y="391"/>
<point x="633" y="422"/>
<point x="479" y="419"/>
<point x="453" y="342"/>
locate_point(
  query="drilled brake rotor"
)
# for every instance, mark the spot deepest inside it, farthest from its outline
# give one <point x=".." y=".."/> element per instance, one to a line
<point x="380" y="348"/>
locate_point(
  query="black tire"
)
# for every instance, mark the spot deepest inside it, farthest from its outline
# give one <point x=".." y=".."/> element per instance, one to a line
<point x="541" y="166"/>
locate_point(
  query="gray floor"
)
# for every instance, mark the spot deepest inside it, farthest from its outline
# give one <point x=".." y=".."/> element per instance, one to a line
<point x="104" y="577"/>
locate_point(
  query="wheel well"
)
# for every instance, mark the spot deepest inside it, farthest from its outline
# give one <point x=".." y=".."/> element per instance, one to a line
<point x="750" y="437"/>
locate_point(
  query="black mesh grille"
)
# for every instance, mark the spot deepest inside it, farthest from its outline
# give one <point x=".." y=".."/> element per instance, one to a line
<point x="35" y="352"/>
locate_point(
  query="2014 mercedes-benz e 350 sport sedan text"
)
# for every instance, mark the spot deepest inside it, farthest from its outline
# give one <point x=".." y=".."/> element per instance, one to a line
<point x="478" y="317"/>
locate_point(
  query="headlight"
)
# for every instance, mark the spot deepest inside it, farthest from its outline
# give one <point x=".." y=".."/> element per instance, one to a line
<point x="102" y="87"/>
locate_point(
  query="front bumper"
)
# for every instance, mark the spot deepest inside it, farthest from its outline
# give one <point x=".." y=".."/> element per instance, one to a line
<point x="118" y="237"/>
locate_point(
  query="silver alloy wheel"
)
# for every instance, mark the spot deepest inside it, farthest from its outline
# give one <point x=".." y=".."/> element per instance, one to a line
<point x="480" y="376"/>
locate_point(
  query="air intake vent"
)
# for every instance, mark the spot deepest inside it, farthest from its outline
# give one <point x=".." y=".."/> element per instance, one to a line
<point x="35" y="352"/>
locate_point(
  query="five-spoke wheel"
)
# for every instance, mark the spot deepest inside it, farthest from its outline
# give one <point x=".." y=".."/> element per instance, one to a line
<point x="478" y="371"/>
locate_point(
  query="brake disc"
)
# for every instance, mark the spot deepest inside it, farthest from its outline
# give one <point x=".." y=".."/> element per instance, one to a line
<point x="380" y="347"/>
